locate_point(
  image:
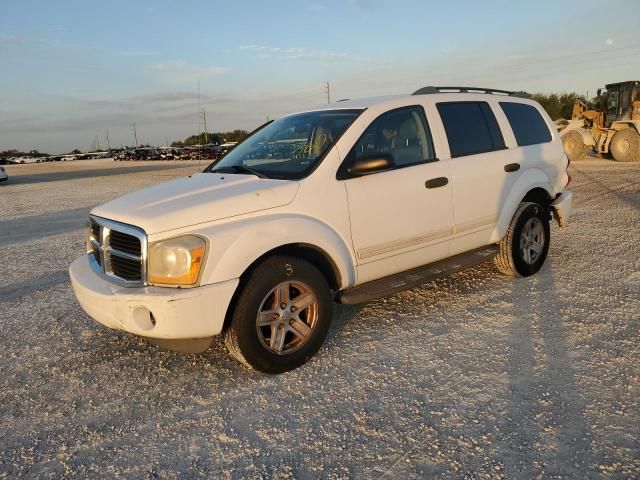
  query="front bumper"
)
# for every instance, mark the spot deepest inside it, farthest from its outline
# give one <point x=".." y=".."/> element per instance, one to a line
<point x="154" y="312"/>
<point x="561" y="208"/>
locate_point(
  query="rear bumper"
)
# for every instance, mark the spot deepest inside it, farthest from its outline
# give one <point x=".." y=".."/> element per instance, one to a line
<point x="155" y="312"/>
<point x="561" y="208"/>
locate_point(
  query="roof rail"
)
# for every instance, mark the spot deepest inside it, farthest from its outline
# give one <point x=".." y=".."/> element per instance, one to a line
<point x="495" y="91"/>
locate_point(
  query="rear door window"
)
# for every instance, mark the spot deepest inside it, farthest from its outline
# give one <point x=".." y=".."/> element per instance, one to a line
<point x="527" y="124"/>
<point x="471" y="128"/>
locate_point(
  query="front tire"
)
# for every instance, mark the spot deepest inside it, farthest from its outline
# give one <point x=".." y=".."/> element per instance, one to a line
<point x="525" y="245"/>
<point x="625" y="146"/>
<point x="574" y="146"/>
<point x="281" y="316"/>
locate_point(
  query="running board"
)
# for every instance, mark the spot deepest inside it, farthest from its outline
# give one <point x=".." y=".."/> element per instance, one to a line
<point x="412" y="278"/>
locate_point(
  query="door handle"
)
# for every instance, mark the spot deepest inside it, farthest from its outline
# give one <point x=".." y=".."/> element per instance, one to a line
<point x="436" y="182"/>
<point x="512" y="167"/>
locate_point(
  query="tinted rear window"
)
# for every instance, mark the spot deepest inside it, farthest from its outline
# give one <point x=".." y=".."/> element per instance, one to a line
<point x="527" y="124"/>
<point x="471" y="128"/>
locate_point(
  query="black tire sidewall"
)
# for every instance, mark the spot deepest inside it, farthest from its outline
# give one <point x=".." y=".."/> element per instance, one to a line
<point x="534" y="210"/>
<point x="265" y="277"/>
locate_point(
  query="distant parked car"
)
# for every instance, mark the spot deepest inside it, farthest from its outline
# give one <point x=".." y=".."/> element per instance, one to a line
<point x="25" y="159"/>
<point x="4" y="176"/>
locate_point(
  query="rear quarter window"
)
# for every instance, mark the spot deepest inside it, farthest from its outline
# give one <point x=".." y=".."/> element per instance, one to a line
<point x="471" y="128"/>
<point x="527" y="124"/>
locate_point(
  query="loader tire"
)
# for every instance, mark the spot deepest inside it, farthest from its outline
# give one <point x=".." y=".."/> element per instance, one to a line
<point x="574" y="146"/>
<point x="625" y="146"/>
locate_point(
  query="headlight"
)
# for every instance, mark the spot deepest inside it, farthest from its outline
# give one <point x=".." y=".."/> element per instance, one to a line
<point x="176" y="261"/>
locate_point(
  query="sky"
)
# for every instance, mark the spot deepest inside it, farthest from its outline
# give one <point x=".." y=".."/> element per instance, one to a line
<point x="73" y="70"/>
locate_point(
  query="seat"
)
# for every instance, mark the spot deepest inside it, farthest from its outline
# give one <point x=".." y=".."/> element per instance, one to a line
<point x="407" y="148"/>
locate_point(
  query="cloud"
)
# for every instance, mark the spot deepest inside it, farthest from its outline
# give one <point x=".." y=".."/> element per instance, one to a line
<point x="135" y="53"/>
<point x="180" y="71"/>
<point x="13" y="40"/>
<point x="363" y="5"/>
<point x="294" y="53"/>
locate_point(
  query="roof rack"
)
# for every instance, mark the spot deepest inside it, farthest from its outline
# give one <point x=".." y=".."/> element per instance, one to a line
<point x="494" y="91"/>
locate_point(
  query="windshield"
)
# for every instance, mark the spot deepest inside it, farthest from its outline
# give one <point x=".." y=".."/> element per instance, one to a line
<point x="288" y="148"/>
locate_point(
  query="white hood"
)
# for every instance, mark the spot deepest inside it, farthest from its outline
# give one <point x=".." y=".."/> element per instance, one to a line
<point x="203" y="197"/>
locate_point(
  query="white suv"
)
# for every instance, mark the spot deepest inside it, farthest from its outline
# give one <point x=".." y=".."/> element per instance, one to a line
<point x="347" y="202"/>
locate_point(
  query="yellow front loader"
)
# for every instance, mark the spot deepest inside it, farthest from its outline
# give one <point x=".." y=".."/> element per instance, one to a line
<point x="610" y="127"/>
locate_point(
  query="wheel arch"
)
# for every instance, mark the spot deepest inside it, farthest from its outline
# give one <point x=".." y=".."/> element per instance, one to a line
<point x="304" y="251"/>
<point x="535" y="187"/>
<point x="538" y="195"/>
<point x="623" y="124"/>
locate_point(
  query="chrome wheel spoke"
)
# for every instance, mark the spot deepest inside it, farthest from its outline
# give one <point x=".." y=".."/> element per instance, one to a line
<point x="277" y="338"/>
<point x="301" y="329"/>
<point x="536" y="248"/>
<point x="303" y="301"/>
<point x="282" y="294"/>
<point x="267" y="318"/>
<point x="536" y="230"/>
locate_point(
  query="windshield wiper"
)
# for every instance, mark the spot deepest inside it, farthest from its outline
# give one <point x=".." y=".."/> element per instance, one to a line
<point x="239" y="169"/>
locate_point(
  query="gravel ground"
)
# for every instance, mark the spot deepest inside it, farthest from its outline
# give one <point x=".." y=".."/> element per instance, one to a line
<point x="476" y="375"/>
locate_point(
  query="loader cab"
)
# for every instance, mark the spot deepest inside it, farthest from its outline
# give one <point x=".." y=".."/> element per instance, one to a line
<point x="619" y="100"/>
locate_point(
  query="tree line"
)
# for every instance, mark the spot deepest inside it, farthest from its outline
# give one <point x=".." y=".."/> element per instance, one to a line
<point x="215" y="137"/>
<point x="557" y="105"/>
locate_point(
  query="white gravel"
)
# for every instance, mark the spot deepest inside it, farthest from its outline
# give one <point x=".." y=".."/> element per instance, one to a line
<point x="477" y="375"/>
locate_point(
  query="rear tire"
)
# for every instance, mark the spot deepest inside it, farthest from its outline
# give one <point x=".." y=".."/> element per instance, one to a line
<point x="525" y="245"/>
<point x="625" y="146"/>
<point x="574" y="146"/>
<point x="281" y="316"/>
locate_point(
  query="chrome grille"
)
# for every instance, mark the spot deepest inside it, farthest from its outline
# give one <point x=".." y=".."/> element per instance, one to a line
<point x="117" y="251"/>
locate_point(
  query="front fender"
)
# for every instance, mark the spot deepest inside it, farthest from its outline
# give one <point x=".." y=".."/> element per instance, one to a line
<point x="531" y="179"/>
<point x="629" y="123"/>
<point x="236" y="245"/>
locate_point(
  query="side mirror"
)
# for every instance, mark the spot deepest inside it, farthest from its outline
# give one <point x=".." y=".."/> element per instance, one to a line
<point x="378" y="162"/>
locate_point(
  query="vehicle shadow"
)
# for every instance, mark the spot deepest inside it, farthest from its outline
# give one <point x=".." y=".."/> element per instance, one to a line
<point x="25" y="229"/>
<point x="545" y="405"/>
<point x="17" y="179"/>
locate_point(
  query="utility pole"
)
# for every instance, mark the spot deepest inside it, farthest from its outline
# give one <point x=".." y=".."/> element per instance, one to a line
<point x="107" y="138"/>
<point x="327" y="88"/>
<point x="135" y="133"/>
<point x="204" y="119"/>
<point x="199" y="111"/>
